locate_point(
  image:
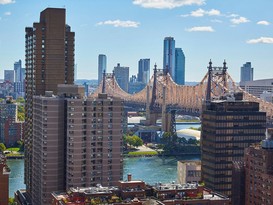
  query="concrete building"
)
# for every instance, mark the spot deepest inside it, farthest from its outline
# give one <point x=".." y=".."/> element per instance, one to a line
<point x="259" y="172"/>
<point x="77" y="141"/>
<point x="228" y="127"/>
<point x="4" y="180"/>
<point x="179" y="66"/>
<point x="188" y="171"/>
<point x="49" y="58"/>
<point x="9" y="76"/>
<point x="102" y="65"/>
<point x="246" y="72"/>
<point x="169" y="55"/>
<point x="267" y="96"/>
<point x="143" y="75"/>
<point x="257" y="87"/>
<point x="122" y="76"/>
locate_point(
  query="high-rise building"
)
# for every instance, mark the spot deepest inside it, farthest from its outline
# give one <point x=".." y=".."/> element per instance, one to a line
<point x="101" y="66"/>
<point x="228" y="126"/>
<point x="122" y="76"/>
<point x="259" y="172"/>
<point x="4" y="181"/>
<point x="18" y="71"/>
<point x="77" y="141"/>
<point x="246" y="72"/>
<point x="49" y="51"/>
<point x="9" y="76"/>
<point x="19" y="82"/>
<point x="169" y="55"/>
<point x="179" y="66"/>
<point x="143" y="71"/>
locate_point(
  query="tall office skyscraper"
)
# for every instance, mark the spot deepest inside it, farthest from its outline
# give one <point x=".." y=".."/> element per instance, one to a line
<point x="169" y="55"/>
<point x="9" y="76"/>
<point x="101" y="66"/>
<point x="179" y="66"/>
<point x="19" y="77"/>
<point x="122" y="76"/>
<point x="49" y="51"/>
<point x="143" y="71"/>
<point x="228" y="127"/>
<point x="246" y="72"/>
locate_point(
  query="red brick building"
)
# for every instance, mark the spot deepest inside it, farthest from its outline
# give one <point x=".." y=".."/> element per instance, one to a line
<point x="4" y="181"/>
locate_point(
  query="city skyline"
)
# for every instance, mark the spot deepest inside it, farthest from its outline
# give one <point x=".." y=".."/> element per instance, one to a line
<point x="204" y="29"/>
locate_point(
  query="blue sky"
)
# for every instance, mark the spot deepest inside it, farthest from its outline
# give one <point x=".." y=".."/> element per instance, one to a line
<point x="127" y="30"/>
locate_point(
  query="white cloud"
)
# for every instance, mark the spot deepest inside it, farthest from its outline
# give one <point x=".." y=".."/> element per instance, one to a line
<point x="239" y="20"/>
<point x="265" y="23"/>
<point x="8" y="13"/>
<point x="119" y="23"/>
<point x="267" y="40"/>
<point x="3" y="2"/>
<point x="166" y="4"/>
<point x="201" y="12"/>
<point x="216" y="21"/>
<point x="201" y="29"/>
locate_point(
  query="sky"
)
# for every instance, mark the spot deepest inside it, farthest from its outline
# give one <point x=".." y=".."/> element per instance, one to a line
<point x="128" y="30"/>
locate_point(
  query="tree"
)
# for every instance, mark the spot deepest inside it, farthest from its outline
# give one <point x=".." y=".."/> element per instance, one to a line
<point x="20" y="100"/>
<point x="134" y="140"/>
<point x="2" y="147"/>
<point x="21" y="113"/>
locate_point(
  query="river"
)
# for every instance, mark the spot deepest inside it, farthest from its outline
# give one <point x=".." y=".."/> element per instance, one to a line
<point x="149" y="169"/>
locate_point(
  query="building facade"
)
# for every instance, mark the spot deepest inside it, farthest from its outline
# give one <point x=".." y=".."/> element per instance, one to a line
<point x="188" y="171"/>
<point x="4" y="180"/>
<point x="258" y="87"/>
<point x="169" y="55"/>
<point x="49" y="58"/>
<point x="246" y="72"/>
<point x="259" y="172"/>
<point x="102" y="63"/>
<point x="122" y="77"/>
<point x="143" y="71"/>
<point x="77" y="141"/>
<point x="19" y="83"/>
<point x="9" y="76"/>
<point x="228" y="126"/>
<point x="179" y="66"/>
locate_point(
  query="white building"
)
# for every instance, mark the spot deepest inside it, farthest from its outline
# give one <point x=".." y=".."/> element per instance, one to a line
<point x="257" y="87"/>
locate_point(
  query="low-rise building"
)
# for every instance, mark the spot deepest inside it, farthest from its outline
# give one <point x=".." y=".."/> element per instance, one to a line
<point x="188" y="171"/>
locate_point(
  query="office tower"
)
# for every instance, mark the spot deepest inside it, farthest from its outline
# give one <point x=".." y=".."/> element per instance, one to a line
<point x="9" y="76"/>
<point x="101" y="66"/>
<point x="122" y="76"/>
<point x="11" y="130"/>
<point x="259" y="172"/>
<point x="77" y="141"/>
<point x="179" y="66"/>
<point x="169" y="55"/>
<point x="143" y="71"/>
<point x="18" y="71"/>
<point x="228" y="126"/>
<point x="238" y="183"/>
<point x="19" y="83"/>
<point x="49" y="51"/>
<point x="246" y="72"/>
<point x="4" y="180"/>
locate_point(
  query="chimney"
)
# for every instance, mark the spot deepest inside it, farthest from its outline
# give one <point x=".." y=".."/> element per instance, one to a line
<point x="129" y="177"/>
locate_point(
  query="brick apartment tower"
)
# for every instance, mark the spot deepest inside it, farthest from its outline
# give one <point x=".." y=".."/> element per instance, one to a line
<point x="77" y="141"/>
<point x="228" y="126"/>
<point x="4" y="181"/>
<point x="49" y="58"/>
<point x="259" y="172"/>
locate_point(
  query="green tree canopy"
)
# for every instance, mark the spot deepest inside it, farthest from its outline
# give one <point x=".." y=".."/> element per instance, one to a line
<point x="134" y="140"/>
<point x="2" y="147"/>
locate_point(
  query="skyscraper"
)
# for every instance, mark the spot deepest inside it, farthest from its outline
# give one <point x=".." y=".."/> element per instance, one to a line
<point x="143" y="71"/>
<point x="179" y="66"/>
<point x="228" y="126"/>
<point x="49" y="51"/>
<point x="169" y="55"/>
<point x="246" y="72"/>
<point x="19" y="82"/>
<point x="122" y="76"/>
<point x="9" y="76"/>
<point x="18" y="71"/>
<point x="101" y="66"/>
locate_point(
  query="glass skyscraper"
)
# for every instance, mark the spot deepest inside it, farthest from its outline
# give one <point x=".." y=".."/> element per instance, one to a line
<point x="179" y="66"/>
<point x="143" y="71"/>
<point x="246" y="72"/>
<point x="169" y="55"/>
<point x="101" y="66"/>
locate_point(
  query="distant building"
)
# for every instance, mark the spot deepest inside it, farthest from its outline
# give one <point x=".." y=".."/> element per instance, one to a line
<point x="9" y="76"/>
<point x="4" y="180"/>
<point x="122" y="76"/>
<point x="188" y="171"/>
<point x="169" y="55"/>
<point x="228" y="127"/>
<point x="102" y="63"/>
<point x="257" y="87"/>
<point x="143" y="71"/>
<point x="246" y="72"/>
<point x="135" y="87"/>
<point x="179" y="66"/>
<point x="19" y="74"/>
<point x="267" y="96"/>
<point x="259" y="172"/>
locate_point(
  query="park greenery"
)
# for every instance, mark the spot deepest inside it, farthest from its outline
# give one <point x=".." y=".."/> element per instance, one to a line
<point x="134" y="141"/>
<point x="2" y="147"/>
<point x="144" y="153"/>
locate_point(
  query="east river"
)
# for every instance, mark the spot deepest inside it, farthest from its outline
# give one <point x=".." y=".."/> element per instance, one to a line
<point x="149" y="169"/>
